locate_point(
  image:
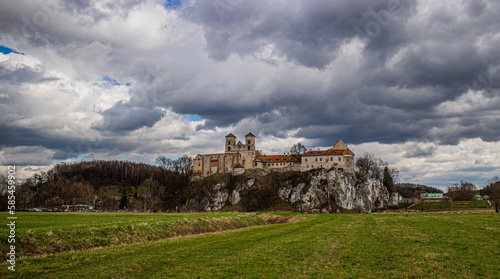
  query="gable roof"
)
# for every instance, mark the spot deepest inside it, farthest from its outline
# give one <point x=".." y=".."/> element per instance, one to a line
<point x="250" y="135"/>
<point x="238" y="165"/>
<point x="230" y="135"/>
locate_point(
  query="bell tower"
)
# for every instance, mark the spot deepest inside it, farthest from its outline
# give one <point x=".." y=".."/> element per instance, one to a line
<point x="250" y="142"/>
<point x="230" y="142"/>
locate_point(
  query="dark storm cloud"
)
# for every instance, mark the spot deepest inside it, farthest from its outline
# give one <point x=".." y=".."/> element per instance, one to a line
<point x="307" y="32"/>
<point x="32" y="139"/>
<point x="410" y="65"/>
<point x="125" y="117"/>
<point x="27" y="141"/>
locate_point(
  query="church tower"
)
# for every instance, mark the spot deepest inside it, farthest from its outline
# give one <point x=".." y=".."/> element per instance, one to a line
<point x="230" y="142"/>
<point x="250" y="142"/>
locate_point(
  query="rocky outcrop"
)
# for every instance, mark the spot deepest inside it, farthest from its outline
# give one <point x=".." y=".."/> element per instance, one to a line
<point x="316" y="191"/>
<point x="336" y="187"/>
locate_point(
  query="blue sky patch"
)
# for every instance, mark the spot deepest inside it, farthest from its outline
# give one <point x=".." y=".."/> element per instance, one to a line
<point x="191" y="117"/>
<point x="121" y="157"/>
<point x="113" y="82"/>
<point x="172" y="4"/>
<point x="6" y="50"/>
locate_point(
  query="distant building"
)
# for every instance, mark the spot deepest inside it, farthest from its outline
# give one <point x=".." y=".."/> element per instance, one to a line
<point x="431" y="196"/>
<point x="239" y="156"/>
<point x="339" y="156"/>
<point x="277" y="161"/>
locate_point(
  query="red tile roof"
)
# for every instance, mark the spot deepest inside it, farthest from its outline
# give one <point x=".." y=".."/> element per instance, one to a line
<point x="238" y="165"/>
<point x="327" y="152"/>
<point x="279" y="158"/>
<point x="323" y="152"/>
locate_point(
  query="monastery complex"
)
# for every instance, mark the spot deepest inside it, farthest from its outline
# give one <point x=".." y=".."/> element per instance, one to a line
<point x="239" y="157"/>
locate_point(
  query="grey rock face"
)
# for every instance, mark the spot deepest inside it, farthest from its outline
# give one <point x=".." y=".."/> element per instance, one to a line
<point x="235" y="195"/>
<point x="321" y="189"/>
<point x="339" y="188"/>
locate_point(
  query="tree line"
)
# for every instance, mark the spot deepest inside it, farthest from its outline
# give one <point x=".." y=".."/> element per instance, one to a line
<point x="108" y="185"/>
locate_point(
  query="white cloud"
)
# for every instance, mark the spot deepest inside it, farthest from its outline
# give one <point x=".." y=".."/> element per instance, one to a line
<point x="473" y="159"/>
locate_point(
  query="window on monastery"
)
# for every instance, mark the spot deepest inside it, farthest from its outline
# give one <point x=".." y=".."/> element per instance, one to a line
<point x="306" y="160"/>
<point x="340" y="159"/>
<point x="316" y="159"/>
<point x="347" y="159"/>
<point x="320" y="159"/>
<point x="249" y="148"/>
<point x="239" y="146"/>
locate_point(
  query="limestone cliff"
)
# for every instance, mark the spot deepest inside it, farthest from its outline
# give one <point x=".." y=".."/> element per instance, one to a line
<point x="319" y="190"/>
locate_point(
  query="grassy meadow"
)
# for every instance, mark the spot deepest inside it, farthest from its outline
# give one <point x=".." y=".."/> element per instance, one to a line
<point x="453" y="206"/>
<point x="428" y="245"/>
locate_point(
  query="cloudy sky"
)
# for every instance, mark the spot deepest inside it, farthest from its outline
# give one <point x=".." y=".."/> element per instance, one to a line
<point x="414" y="82"/>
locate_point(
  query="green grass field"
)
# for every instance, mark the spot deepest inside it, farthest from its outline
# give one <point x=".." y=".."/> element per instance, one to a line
<point x="48" y="233"/>
<point x="55" y="220"/>
<point x="429" y="245"/>
<point x="455" y="205"/>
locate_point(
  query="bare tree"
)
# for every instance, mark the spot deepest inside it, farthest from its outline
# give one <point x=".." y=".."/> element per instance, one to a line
<point x="152" y="193"/>
<point x="183" y="164"/>
<point x="368" y="164"/>
<point x="164" y="162"/>
<point x="462" y="191"/>
<point x="24" y="196"/>
<point x="108" y="198"/>
<point x="88" y="194"/>
<point x="298" y="148"/>
<point x="394" y="173"/>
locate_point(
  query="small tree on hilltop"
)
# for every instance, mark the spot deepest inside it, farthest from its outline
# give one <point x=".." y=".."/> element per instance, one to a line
<point x="368" y="164"/>
<point x="298" y="148"/>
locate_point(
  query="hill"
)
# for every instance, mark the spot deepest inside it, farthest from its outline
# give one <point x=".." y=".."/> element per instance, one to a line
<point x="110" y="185"/>
<point x="409" y="190"/>
<point x="113" y="185"/>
